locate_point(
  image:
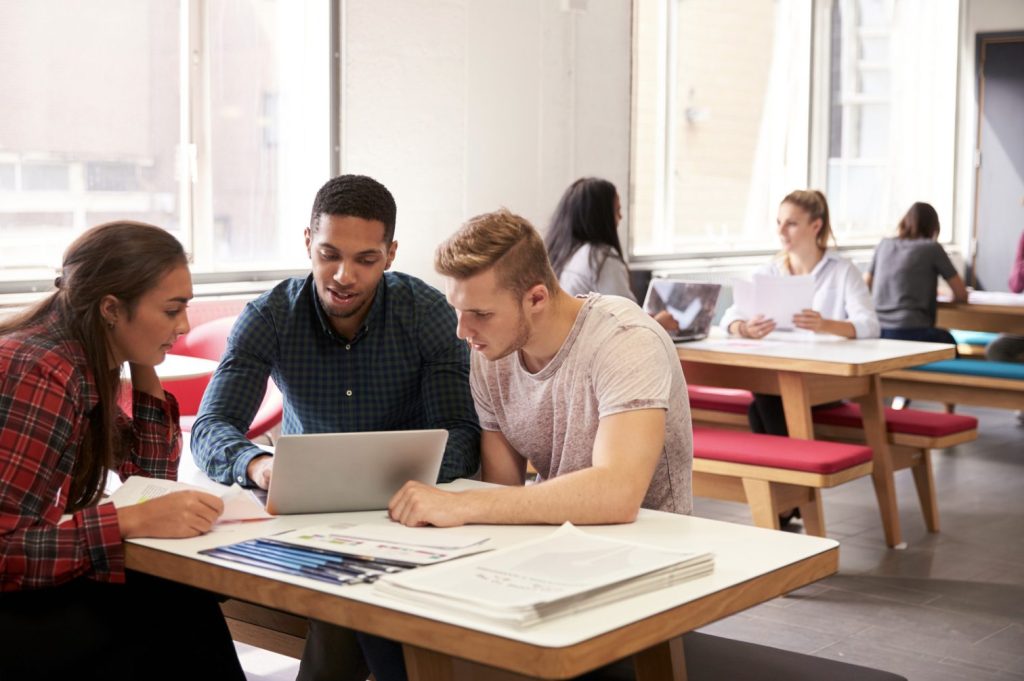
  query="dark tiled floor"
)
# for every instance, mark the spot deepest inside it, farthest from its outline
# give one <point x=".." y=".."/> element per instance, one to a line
<point x="949" y="606"/>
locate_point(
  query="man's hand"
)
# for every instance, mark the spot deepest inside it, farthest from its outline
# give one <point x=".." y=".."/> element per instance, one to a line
<point x="417" y="505"/>
<point x="178" y="514"/>
<point x="259" y="470"/>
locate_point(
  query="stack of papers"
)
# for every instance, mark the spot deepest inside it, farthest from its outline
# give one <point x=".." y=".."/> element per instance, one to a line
<point x="564" y="572"/>
<point x="340" y="554"/>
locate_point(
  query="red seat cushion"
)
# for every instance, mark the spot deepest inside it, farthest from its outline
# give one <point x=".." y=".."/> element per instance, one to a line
<point x="813" y="456"/>
<point x="719" y="399"/>
<point x="908" y="421"/>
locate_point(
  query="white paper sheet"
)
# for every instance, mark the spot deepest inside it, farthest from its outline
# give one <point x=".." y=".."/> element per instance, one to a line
<point x="239" y="504"/>
<point x="777" y="298"/>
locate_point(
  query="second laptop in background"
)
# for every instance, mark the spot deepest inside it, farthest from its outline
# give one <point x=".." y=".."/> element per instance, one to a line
<point x="335" y="472"/>
<point x="691" y="304"/>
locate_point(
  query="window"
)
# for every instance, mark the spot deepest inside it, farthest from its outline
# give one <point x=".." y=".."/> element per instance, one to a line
<point x="210" y="119"/>
<point x="724" y="91"/>
<point x="891" y="114"/>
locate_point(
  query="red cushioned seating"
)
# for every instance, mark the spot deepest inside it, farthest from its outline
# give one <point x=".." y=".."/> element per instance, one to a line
<point x="719" y="399"/>
<point x="813" y="456"/>
<point x="909" y="421"/>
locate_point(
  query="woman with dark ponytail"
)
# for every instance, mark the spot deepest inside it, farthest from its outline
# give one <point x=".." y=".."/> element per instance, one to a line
<point x="121" y="298"/>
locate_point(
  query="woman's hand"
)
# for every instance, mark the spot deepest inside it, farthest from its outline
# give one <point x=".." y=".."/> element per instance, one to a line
<point x="145" y="380"/>
<point x="810" y="320"/>
<point x="178" y="514"/>
<point x="667" y="321"/>
<point x="757" y="327"/>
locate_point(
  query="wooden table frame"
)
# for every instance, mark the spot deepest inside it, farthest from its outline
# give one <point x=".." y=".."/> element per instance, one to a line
<point x="803" y="383"/>
<point x="439" y="651"/>
<point x="981" y="317"/>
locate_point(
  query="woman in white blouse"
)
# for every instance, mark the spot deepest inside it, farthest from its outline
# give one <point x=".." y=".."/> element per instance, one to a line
<point x="841" y="304"/>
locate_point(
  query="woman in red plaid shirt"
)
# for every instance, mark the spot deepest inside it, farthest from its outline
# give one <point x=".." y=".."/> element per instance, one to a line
<point x="67" y="608"/>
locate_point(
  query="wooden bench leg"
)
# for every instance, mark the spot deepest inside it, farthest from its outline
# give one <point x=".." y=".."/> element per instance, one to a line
<point x="762" y="504"/>
<point x="925" y="483"/>
<point x="813" y="515"/>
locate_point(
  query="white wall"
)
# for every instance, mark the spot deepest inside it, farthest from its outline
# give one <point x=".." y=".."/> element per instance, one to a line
<point x="463" y="106"/>
<point x="979" y="16"/>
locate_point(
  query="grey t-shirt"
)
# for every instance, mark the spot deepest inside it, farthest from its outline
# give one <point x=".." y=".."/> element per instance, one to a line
<point x="595" y="269"/>
<point x="615" y="359"/>
<point x="905" y="279"/>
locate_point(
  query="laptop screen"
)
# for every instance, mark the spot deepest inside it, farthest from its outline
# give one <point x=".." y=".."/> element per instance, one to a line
<point x="691" y="304"/>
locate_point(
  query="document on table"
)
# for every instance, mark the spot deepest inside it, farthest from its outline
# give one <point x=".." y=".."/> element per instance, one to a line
<point x="390" y="542"/>
<point x="566" y="571"/>
<point x="777" y="298"/>
<point x="239" y="504"/>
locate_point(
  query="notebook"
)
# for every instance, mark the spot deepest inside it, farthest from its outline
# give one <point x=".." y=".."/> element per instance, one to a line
<point x="691" y="303"/>
<point x="335" y="472"/>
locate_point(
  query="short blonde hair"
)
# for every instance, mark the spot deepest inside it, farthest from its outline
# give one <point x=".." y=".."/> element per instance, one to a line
<point x="502" y="240"/>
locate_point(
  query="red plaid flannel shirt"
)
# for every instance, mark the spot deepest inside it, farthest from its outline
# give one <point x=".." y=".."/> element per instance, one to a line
<point x="46" y="393"/>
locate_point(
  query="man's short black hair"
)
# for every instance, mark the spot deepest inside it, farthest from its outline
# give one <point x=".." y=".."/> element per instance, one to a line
<point x="357" y="196"/>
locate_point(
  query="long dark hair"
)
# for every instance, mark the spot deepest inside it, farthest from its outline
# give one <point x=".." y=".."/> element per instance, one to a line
<point x="585" y="215"/>
<point x="122" y="259"/>
<point x="920" y="222"/>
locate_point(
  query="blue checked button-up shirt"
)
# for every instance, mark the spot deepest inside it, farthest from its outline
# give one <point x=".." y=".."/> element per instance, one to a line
<point x="405" y="369"/>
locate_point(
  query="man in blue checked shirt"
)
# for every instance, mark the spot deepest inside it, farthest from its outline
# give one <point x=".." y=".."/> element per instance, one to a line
<point x="352" y="347"/>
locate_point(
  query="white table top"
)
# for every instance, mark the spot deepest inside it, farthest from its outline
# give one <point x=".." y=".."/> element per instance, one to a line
<point x="741" y="553"/>
<point x="184" y="366"/>
<point x="848" y="356"/>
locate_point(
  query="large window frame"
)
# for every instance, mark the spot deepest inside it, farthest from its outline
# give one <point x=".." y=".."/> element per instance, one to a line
<point x="194" y="182"/>
<point x="818" y="144"/>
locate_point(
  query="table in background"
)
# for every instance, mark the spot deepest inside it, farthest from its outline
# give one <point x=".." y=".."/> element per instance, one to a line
<point x="179" y="367"/>
<point x="995" y="311"/>
<point x="752" y="565"/>
<point x="810" y="370"/>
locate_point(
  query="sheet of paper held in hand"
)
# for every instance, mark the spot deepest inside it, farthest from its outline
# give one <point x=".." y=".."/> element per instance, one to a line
<point x="239" y="504"/>
<point x="777" y="298"/>
<point x="394" y="542"/>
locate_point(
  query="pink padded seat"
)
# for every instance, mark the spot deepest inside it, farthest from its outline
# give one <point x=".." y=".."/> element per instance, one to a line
<point x="813" y="456"/>
<point x="719" y="399"/>
<point x="908" y="421"/>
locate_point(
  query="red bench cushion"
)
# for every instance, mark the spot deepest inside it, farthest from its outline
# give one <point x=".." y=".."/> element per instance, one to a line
<point x="909" y="421"/>
<point x="813" y="456"/>
<point x="719" y="399"/>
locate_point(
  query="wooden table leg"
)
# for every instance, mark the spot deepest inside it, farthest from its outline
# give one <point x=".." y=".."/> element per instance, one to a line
<point x="426" y="665"/>
<point x="873" y="415"/>
<point x="796" y="403"/>
<point x="663" y="662"/>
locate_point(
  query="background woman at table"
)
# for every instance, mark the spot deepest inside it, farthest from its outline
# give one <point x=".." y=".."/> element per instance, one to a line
<point x="841" y="302"/>
<point x="583" y="244"/>
<point x="1009" y="347"/>
<point x="121" y="297"/>
<point x="903" y="278"/>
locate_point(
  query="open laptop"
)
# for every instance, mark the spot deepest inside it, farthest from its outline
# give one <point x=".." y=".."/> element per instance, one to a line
<point x="691" y="303"/>
<point x="334" y="472"/>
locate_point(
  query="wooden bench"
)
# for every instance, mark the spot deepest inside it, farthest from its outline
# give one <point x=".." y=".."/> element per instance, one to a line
<point x="972" y="343"/>
<point x="960" y="381"/>
<point x="773" y="474"/>
<point x="912" y="433"/>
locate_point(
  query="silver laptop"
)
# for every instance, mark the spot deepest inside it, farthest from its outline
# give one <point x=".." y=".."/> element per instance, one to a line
<point x="691" y="304"/>
<point x="334" y="472"/>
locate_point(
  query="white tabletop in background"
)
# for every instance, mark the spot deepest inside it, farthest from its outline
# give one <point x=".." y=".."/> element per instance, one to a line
<point x="741" y="553"/>
<point x="184" y="366"/>
<point x="816" y="348"/>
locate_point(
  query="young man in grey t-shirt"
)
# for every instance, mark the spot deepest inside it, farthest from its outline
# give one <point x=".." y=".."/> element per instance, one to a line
<point x="589" y="390"/>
